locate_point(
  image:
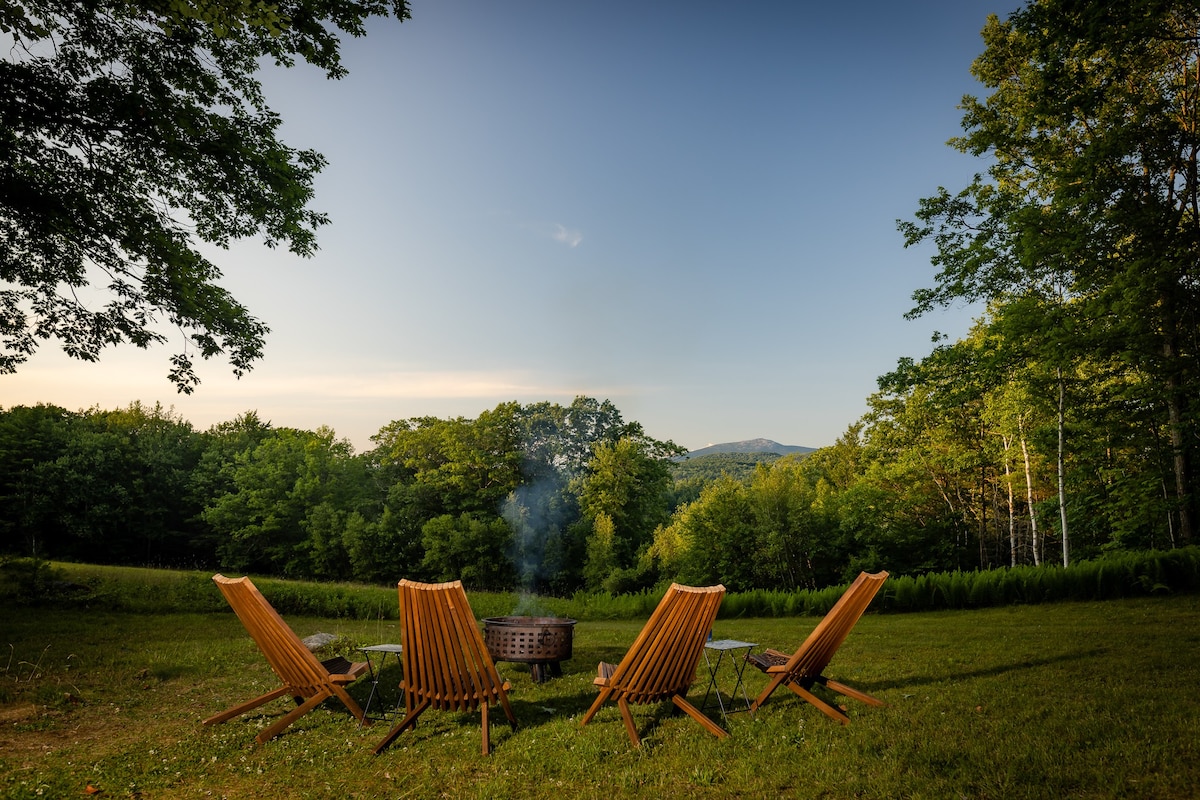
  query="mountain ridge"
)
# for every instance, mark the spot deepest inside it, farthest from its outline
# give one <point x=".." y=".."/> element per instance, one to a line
<point x="751" y="446"/>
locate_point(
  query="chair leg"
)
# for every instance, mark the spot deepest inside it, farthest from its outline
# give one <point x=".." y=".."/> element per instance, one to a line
<point x="287" y="719"/>
<point x="828" y="710"/>
<point x="242" y="708"/>
<point x="487" y="745"/>
<point x="627" y="715"/>
<point x="508" y="712"/>
<point x="351" y="704"/>
<point x="604" y="695"/>
<point x="409" y="721"/>
<point x="850" y="691"/>
<point x="694" y="713"/>
<point x="766" y="692"/>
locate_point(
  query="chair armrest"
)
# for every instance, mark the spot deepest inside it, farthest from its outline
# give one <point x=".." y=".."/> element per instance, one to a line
<point x="604" y="671"/>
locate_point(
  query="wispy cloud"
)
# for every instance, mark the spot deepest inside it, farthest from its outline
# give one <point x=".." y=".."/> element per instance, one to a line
<point x="542" y="228"/>
<point x="117" y="382"/>
<point x="435" y="384"/>
<point x="568" y="236"/>
<point x="355" y="400"/>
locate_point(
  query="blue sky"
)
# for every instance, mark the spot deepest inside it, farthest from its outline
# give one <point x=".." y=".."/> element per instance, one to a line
<point x="686" y="208"/>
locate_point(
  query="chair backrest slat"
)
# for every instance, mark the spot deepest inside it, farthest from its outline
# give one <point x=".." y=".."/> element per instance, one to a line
<point x="445" y="659"/>
<point x="819" y="647"/>
<point x="292" y="662"/>
<point x="662" y="659"/>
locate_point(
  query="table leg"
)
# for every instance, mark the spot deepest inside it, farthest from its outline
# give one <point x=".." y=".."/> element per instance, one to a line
<point x="714" y="669"/>
<point x="374" y="687"/>
<point x="373" y="675"/>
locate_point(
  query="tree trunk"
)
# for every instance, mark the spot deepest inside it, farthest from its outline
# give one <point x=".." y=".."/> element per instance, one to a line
<point x="1062" y="473"/>
<point x="1175" y="414"/>
<point x="1033" y="530"/>
<point x="1170" y="517"/>
<point x="983" y="560"/>
<point x="1012" y="503"/>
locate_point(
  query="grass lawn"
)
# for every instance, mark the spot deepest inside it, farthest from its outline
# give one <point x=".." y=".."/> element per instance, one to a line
<point x="1082" y="700"/>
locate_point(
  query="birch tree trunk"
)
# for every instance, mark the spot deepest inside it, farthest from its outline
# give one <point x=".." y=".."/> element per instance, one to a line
<point x="1062" y="474"/>
<point x="1033" y="530"/>
<point x="1012" y="511"/>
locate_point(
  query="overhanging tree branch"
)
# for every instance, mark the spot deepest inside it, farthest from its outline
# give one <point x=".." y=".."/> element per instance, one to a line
<point x="132" y="132"/>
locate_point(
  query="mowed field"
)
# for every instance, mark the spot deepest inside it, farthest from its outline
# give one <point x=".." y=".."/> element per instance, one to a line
<point x="1084" y="700"/>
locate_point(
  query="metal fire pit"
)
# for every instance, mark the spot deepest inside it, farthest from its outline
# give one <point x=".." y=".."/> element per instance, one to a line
<point x="542" y="642"/>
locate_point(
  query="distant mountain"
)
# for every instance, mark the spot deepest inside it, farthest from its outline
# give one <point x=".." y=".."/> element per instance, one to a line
<point x="751" y="446"/>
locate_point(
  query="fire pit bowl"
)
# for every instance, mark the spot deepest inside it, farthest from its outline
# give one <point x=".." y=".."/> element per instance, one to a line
<point x="542" y="642"/>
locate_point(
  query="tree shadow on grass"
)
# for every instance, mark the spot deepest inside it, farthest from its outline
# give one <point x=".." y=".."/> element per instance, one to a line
<point x="982" y="672"/>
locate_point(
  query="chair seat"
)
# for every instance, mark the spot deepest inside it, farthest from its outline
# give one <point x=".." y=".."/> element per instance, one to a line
<point x="765" y="661"/>
<point x="344" y="669"/>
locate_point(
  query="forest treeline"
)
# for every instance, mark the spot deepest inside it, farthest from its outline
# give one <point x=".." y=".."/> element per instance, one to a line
<point x="555" y="499"/>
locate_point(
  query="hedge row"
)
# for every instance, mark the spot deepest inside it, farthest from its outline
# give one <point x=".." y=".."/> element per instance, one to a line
<point x="1108" y="578"/>
<point x="25" y="582"/>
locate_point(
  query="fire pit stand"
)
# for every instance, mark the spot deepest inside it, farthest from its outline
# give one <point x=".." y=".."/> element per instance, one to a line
<point x="542" y="642"/>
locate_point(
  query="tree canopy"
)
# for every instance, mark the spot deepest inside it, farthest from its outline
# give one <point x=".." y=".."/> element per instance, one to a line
<point x="132" y="132"/>
<point x="1084" y="232"/>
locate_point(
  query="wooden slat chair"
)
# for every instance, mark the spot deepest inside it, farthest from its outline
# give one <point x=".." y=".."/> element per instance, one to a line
<point x="309" y="681"/>
<point x="661" y="663"/>
<point x="447" y="666"/>
<point x="800" y="670"/>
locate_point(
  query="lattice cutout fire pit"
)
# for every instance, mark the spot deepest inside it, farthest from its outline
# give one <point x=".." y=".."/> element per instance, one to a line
<point x="542" y="642"/>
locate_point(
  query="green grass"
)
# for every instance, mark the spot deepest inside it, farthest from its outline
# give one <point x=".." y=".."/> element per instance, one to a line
<point x="1082" y="700"/>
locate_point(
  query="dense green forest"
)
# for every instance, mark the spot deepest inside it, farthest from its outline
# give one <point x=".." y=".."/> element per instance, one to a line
<point x="540" y="495"/>
<point x="706" y="467"/>
<point x="1062" y="426"/>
